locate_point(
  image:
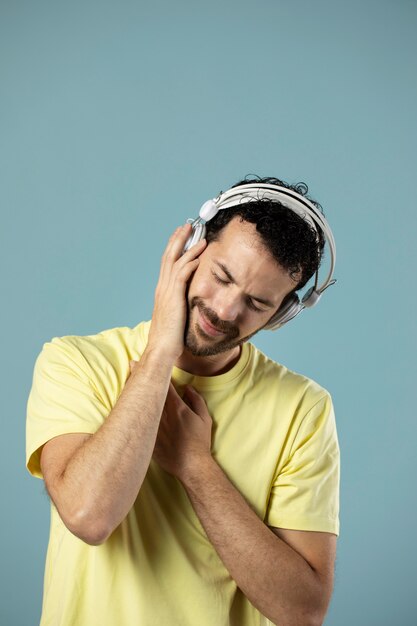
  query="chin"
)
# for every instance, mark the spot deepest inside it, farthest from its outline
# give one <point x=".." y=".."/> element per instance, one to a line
<point x="200" y="344"/>
<point x="203" y="345"/>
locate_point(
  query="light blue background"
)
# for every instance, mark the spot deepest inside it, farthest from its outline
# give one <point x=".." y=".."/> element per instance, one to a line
<point x="118" y="120"/>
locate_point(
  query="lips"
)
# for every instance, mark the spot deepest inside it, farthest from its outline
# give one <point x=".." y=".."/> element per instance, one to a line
<point x="208" y="328"/>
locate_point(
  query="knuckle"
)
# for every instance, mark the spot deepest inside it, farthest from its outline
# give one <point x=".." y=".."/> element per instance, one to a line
<point x="172" y="237"/>
<point x="177" y="230"/>
<point x="196" y="248"/>
<point x="171" y="255"/>
<point x="184" y="271"/>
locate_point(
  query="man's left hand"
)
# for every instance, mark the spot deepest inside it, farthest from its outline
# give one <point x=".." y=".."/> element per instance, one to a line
<point x="184" y="435"/>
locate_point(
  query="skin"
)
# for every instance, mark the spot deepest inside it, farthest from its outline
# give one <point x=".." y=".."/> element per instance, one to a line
<point x="94" y="479"/>
<point x="287" y="575"/>
<point x="183" y="443"/>
<point x="184" y="434"/>
<point x="226" y="305"/>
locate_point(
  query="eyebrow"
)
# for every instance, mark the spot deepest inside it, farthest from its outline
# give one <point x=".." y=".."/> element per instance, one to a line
<point x="232" y="280"/>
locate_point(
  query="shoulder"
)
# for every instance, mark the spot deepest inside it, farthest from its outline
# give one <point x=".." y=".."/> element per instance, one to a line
<point x="100" y="361"/>
<point x="76" y="382"/>
<point x="112" y="346"/>
<point x="287" y="382"/>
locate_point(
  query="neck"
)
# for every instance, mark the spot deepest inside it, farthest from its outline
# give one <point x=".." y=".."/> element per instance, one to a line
<point x="208" y="365"/>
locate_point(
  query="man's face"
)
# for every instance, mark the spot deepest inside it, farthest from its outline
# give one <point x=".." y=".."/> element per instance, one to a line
<point x="229" y="306"/>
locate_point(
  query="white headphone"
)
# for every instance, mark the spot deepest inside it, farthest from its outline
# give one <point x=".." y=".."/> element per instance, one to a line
<point x="292" y="200"/>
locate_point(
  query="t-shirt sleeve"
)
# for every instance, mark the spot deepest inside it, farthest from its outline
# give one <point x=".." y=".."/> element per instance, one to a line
<point x="305" y="490"/>
<point x="61" y="400"/>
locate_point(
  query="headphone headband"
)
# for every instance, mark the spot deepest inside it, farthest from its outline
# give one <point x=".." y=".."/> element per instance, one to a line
<point x="264" y="192"/>
<point x="289" y="198"/>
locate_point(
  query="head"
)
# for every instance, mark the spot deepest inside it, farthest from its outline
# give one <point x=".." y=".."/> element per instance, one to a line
<point x="258" y="254"/>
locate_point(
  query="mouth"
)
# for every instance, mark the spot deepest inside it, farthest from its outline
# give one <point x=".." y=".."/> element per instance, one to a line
<point x="207" y="327"/>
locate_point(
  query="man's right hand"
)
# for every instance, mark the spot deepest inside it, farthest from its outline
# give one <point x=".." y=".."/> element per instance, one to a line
<point x="170" y="306"/>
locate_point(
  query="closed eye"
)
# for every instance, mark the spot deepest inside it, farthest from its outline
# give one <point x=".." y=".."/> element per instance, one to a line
<point x="220" y="280"/>
<point x="226" y="282"/>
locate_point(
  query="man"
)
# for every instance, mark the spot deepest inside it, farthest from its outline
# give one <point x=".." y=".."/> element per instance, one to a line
<point x="193" y="480"/>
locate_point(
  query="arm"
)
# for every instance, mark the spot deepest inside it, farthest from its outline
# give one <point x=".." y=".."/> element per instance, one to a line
<point x="279" y="582"/>
<point x="287" y="577"/>
<point x="102" y="475"/>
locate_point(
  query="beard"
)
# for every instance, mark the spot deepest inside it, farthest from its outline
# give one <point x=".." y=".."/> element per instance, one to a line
<point x="199" y="343"/>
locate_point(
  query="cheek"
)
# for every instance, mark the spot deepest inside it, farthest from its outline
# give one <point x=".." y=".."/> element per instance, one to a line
<point x="201" y="283"/>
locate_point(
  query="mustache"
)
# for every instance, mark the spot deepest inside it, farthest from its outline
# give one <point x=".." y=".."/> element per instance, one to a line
<point x="231" y="330"/>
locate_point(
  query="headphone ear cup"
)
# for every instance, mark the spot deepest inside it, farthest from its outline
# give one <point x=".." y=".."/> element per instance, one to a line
<point x="285" y="313"/>
<point x="198" y="233"/>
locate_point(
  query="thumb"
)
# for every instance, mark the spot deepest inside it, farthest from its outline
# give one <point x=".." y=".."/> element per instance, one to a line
<point x="196" y="402"/>
<point x="193" y="397"/>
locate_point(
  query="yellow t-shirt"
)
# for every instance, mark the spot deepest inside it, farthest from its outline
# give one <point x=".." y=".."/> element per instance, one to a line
<point x="274" y="435"/>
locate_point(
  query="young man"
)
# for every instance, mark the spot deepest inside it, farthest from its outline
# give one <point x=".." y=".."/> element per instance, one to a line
<point x="193" y="480"/>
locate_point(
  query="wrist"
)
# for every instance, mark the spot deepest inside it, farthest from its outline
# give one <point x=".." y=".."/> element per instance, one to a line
<point x="196" y="470"/>
<point x="158" y="354"/>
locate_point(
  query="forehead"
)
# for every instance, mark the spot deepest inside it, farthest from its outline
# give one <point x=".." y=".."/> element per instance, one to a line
<point x="242" y="251"/>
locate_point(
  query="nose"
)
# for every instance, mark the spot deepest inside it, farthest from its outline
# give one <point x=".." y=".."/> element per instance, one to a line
<point x="227" y="306"/>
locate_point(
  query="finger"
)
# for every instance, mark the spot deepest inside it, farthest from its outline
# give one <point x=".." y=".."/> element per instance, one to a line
<point x="169" y="244"/>
<point x="178" y="237"/>
<point x="184" y="273"/>
<point x="194" y="397"/>
<point x="175" y="254"/>
<point x="175" y="277"/>
<point x="193" y="252"/>
<point x="172" y="400"/>
<point x="172" y="394"/>
<point x="180" y="230"/>
<point x="173" y="250"/>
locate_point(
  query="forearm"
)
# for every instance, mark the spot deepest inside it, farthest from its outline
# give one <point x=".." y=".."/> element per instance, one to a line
<point x="273" y="576"/>
<point x="105" y="474"/>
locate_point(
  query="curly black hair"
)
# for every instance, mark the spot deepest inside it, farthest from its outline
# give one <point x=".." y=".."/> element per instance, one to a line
<point x="289" y="238"/>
